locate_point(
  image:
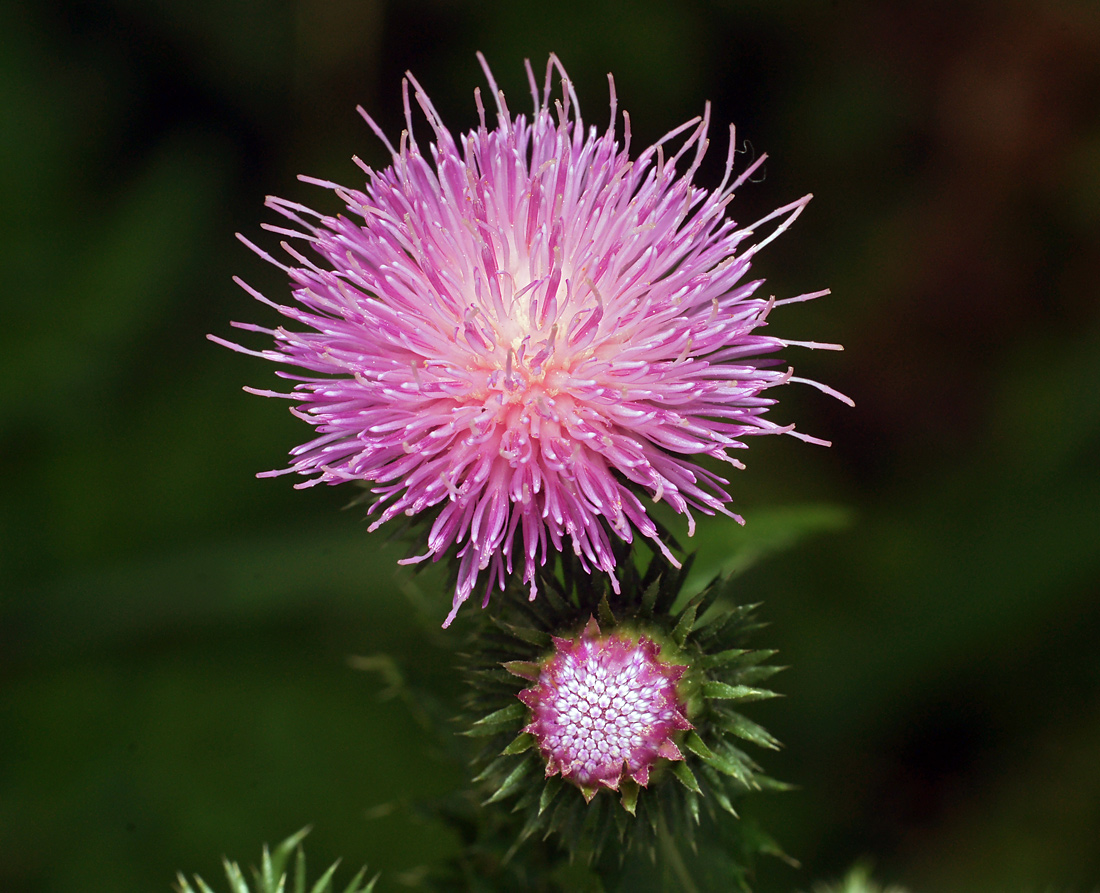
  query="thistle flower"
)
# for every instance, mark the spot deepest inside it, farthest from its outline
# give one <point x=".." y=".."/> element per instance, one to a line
<point x="605" y="705"/>
<point x="522" y="332"/>
<point x="685" y="760"/>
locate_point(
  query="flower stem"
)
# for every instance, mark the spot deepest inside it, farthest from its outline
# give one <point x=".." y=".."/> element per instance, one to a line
<point x="673" y="858"/>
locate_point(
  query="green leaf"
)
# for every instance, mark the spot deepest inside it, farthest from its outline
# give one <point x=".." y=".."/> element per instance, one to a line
<point x="759" y="674"/>
<point x="354" y="886"/>
<point x="236" y="879"/>
<point x="512" y="781"/>
<point x="685" y="625"/>
<point x="523" y="741"/>
<point x="722" y="691"/>
<point x="713" y="615"/>
<point x="724" y="764"/>
<point x="268" y="878"/>
<point x="629" y="790"/>
<point x="685" y="776"/>
<point x="746" y="729"/>
<point x="722" y="657"/>
<point x="757" y="656"/>
<point x="549" y="791"/>
<point x="733" y="768"/>
<point x="497" y="720"/>
<point x="717" y="790"/>
<point x="299" y="869"/>
<point x="493" y="768"/>
<point x="184" y="887"/>
<point x="525" y="669"/>
<point x="693" y="808"/>
<point x="607" y="619"/>
<point x="526" y="634"/>
<point x="649" y="597"/>
<point x="697" y="745"/>
<point x="324" y="882"/>
<point x="767" y="783"/>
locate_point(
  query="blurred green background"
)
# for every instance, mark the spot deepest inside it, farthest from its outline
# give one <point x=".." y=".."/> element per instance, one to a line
<point x="174" y="634"/>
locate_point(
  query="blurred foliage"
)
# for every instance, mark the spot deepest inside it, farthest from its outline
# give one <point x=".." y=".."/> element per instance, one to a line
<point x="858" y="880"/>
<point x="174" y="634"/>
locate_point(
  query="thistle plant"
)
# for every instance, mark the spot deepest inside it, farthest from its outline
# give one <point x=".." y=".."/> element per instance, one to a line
<point x="521" y="339"/>
<point x="689" y="656"/>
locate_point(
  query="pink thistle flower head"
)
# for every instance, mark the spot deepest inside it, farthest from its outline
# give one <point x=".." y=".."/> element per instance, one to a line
<point x="605" y="706"/>
<point x="522" y="331"/>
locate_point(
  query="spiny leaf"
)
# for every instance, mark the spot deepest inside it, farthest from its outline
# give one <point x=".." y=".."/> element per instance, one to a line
<point x="527" y="798"/>
<point x="354" y="887"/>
<point x="711" y="614"/>
<point x="497" y="720"/>
<point x="184" y="887"/>
<point x="525" y="669"/>
<point x="717" y="790"/>
<point x="685" y="776"/>
<point x="282" y="852"/>
<point x="726" y="764"/>
<point x="299" y="868"/>
<point x="629" y="790"/>
<point x="767" y="783"/>
<point x="549" y="792"/>
<point x="649" y="597"/>
<point x="759" y="674"/>
<point x="745" y="728"/>
<point x="733" y="768"/>
<point x="235" y="877"/>
<point x="324" y="882"/>
<point x="523" y="741"/>
<point x="607" y="619"/>
<point x="553" y="598"/>
<point x="268" y="875"/>
<point x="693" y="808"/>
<point x="707" y="661"/>
<point x="757" y="656"/>
<point x="686" y="623"/>
<point x="525" y="633"/>
<point x="493" y="768"/>
<point x="697" y="745"/>
<point x="512" y="781"/>
<point x="721" y="690"/>
<point x="622" y="820"/>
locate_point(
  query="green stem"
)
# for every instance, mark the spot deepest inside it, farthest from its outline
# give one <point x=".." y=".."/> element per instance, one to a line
<point x="672" y="856"/>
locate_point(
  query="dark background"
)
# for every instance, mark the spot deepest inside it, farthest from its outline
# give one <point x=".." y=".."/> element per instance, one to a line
<point x="174" y="636"/>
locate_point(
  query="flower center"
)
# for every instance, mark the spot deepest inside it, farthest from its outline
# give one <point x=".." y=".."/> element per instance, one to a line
<point x="605" y="705"/>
